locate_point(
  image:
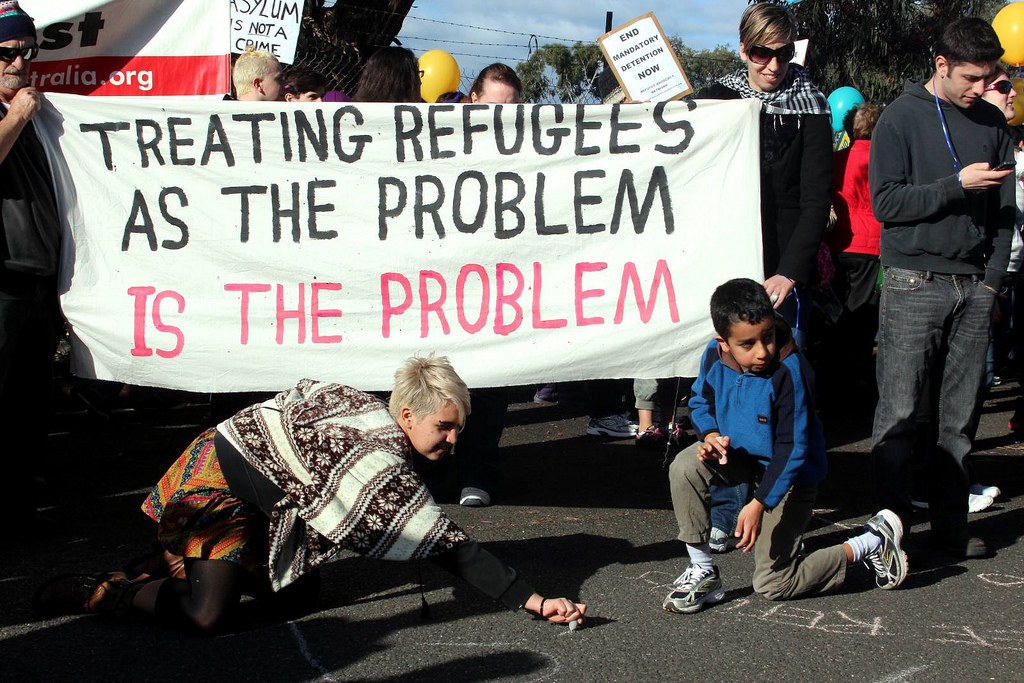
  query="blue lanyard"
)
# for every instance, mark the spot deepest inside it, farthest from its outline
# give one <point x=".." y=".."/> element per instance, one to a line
<point x="945" y="131"/>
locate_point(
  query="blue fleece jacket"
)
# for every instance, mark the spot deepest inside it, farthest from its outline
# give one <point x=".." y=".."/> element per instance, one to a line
<point x="766" y="415"/>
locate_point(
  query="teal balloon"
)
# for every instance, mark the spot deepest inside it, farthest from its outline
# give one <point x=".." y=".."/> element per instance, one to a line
<point x="842" y="100"/>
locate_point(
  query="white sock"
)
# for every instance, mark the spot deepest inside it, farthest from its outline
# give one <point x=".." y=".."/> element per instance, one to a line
<point x="700" y="556"/>
<point x="865" y="544"/>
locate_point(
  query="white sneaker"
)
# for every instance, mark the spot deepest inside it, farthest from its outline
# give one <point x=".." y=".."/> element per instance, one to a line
<point x="976" y="503"/>
<point x="992" y="492"/>
<point x="616" y="426"/>
<point x="693" y="589"/>
<point x="473" y="497"/>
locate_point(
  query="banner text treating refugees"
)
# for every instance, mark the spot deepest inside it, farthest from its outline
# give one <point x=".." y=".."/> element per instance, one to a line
<point x="216" y="248"/>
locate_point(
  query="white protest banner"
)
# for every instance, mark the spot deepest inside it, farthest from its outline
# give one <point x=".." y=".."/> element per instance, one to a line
<point x="643" y="62"/>
<point x="131" y="47"/>
<point x="268" y="26"/>
<point x="215" y="247"/>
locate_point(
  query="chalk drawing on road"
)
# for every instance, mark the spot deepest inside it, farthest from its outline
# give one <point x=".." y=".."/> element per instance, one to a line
<point x="304" y="649"/>
<point x="996" y="639"/>
<point x="522" y="645"/>
<point x="655" y="581"/>
<point x="905" y="675"/>
<point x="832" y="621"/>
<point x="1003" y="580"/>
<point x="825" y="515"/>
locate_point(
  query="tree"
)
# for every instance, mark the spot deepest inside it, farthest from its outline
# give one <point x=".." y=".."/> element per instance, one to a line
<point x="703" y="67"/>
<point x="337" y="38"/>
<point x="561" y="73"/>
<point x="874" y="45"/>
<point x="574" y="74"/>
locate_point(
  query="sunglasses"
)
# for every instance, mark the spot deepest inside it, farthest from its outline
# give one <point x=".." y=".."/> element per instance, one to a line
<point x="760" y="54"/>
<point x="1002" y="87"/>
<point x="9" y="54"/>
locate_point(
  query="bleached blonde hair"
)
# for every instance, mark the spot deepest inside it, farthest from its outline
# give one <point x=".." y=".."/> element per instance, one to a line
<point x="425" y="385"/>
<point x="249" y="66"/>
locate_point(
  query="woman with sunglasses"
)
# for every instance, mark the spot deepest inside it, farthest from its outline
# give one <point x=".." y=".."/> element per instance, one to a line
<point x="796" y="152"/>
<point x="796" y="183"/>
<point x="1000" y="92"/>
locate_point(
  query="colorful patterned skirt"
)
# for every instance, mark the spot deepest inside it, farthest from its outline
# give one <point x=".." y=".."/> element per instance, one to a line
<point x="199" y="518"/>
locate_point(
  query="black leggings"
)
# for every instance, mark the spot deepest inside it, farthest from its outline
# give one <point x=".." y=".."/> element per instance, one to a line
<point x="213" y="588"/>
<point x="202" y="600"/>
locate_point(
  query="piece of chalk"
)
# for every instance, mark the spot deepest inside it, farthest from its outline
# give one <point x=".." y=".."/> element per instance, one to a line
<point x="573" y="625"/>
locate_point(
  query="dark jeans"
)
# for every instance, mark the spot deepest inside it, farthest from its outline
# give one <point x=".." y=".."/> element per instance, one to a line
<point x="929" y="322"/>
<point x="726" y="503"/>
<point x="29" y="324"/>
<point x="476" y="450"/>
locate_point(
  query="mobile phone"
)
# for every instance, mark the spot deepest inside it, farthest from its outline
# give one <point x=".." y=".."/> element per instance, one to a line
<point x="1005" y="166"/>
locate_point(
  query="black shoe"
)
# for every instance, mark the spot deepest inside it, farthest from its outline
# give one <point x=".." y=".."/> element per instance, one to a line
<point x="961" y="547"/>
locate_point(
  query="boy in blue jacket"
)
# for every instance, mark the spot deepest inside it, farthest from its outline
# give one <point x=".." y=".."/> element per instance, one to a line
<point x="753" y="412"/>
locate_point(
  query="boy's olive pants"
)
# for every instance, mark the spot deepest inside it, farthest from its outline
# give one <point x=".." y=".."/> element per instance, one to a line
<point x="781" y="570"/>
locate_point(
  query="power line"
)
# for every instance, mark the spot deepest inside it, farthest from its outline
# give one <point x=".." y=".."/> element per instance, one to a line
<point x="497" y="30"/>
<point x="478" y="28"/>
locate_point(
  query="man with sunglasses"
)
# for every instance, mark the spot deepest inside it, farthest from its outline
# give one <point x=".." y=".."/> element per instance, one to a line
<point x="29" y="251"/>
<point x="947" y="217"/>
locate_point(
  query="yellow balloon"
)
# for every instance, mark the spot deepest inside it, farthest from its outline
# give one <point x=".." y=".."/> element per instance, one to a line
<point x="1009" y="26"/>
<point x="1018" y="102"/>
<point x="439" y="73"/>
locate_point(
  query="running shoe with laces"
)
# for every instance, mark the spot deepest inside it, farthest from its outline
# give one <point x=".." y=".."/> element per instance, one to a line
<point x="653" y="438"/>
<point x="693" y="588"/>
<point x="677" y="431"/>
<point x="889" y="562"/>
<point x="617" y="426"/>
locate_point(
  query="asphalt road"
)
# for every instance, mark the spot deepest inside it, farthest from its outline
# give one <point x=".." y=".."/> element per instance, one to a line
<point x="579" y="516"/>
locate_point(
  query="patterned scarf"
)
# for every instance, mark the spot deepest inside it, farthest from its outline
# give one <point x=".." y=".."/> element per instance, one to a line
<point x="796" y="94"/>
<point x="345" y="468"/>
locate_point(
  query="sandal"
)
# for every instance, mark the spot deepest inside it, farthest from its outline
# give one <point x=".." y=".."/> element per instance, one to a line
<point x="157" y="564"/>
<point x="106" y="592"/>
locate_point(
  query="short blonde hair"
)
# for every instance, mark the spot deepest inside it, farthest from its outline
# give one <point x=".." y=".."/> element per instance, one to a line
<point x="249" y="66"/>
<point x="425" y="385"/>
<point x="763" y="24"/>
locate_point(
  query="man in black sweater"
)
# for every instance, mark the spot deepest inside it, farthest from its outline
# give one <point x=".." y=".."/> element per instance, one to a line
<point x="947" y="215"/>
<point x="29" y="250"/>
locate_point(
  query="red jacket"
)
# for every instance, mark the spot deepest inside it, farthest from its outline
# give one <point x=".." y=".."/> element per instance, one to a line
<point x="856" y="229"/>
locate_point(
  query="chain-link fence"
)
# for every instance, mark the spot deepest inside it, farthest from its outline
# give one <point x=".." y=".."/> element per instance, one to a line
<point x="340" y="65"/>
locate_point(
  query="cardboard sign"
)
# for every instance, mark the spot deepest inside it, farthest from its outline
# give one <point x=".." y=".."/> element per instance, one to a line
<point x="267" y="26"/>
<point x="131" y="47"/>
<point x="222" y="246"/>
<point x="644" y="63"/>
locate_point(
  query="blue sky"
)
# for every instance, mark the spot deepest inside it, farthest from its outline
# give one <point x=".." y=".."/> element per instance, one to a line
<point x="700" y="24"/>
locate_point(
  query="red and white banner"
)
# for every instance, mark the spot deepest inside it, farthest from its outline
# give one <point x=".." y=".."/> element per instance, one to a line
<point x="132" y="47"/>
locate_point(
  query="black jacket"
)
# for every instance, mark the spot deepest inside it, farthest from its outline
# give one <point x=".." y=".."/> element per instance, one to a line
<point x="796" y="188"/>
<point x="29" y="228"/>
<point x="928" y="221"/>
